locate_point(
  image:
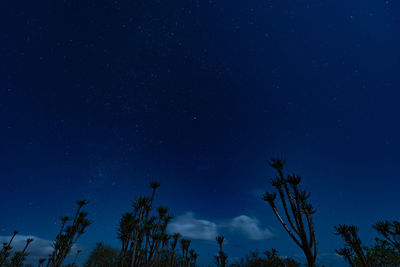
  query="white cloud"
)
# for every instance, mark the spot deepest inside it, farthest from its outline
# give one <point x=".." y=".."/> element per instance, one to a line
<point x="250" y="228"/>
<point x="39" y="247"/>
<point x="188" y="226"/>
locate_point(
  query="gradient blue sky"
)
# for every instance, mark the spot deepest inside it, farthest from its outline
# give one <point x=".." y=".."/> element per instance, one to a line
<point x="100" y="97"/>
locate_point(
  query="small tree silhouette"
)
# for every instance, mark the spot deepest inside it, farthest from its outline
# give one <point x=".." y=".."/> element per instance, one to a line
<point x="144" y="238"/>
<point x="385" y="252"/>
<point x="381" y="254"/>
<point x="221" y="258"/>
<point x="19" y="257"/>
<point x="102" y="256"/>
<point x="347" y="254"/>
<point x="296" y="208"/>
<point x="68" y="235"/>
<point x="349" y="233"/>
<point x="5" y="252"/>
<point x="193" y="258"/>
<point x="390" y="230"/>
<point x="172" y="251"/>
<point x="272" y="259"/>
<point x="185" y="244"/>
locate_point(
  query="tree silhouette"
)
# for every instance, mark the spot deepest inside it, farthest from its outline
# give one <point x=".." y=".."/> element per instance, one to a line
<point x="68" y="235"/>
<point x="347" y="254"/>
<point x="102" y="256"/>
<point x="185" y="244"/>
<point x="272" y="259"/>
<point x="385" y="252"/>
<point x="193" y="258"/>
<point x="221" y="258"/>
<point x="17" y="260"/>
<point x="298" y="211"/>
<point x="349" y="234"/>
<point x="390" y="230"/>
<point x="19" y="257"/>
<point x="143" y="236"/>
<point x="172" y="251"/>
<point x="5" y="252"/>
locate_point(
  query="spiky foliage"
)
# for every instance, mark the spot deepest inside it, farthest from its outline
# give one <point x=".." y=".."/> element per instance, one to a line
<point x="19" y="257"/>
<point x="390" y="230"/>
<point x="349" y="234"/>
<point x="171" y="256"/>
<point x="385" y="252"/>
<point x="68" y="235"/>
<point x="5" y="252"/>
<point x="17" y="260"/>
<point x="381" y="254"/>
<point x="298" y="211"/>
<point x="193" y="258"/>
<point x="143" y="234"/>
<point x="347" y="254"/>
<point x="222" y="257"/>
<point x="185" y="244"/>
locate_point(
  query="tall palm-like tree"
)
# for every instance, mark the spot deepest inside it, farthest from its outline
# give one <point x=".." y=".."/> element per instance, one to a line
<point x="298" y="211"/>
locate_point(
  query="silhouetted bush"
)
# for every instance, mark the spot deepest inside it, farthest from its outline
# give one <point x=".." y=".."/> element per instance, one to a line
<point x="270" y="259"/>
<point x="103" y="256"/>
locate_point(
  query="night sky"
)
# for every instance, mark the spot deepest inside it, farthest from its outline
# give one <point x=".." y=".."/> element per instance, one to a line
<point x="99" y="97"/>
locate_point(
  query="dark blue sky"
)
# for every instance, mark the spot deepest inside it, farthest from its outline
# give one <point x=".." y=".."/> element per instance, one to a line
<point x="99" y="97"/>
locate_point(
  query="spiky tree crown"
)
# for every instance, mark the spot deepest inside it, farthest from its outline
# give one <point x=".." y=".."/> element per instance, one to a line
<point x="296" y="208"/>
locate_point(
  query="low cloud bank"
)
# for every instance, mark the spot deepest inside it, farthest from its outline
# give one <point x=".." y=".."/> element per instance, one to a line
<point x="250" y="228"/>
<point x="39" y="247"/>
<point x="189" y="226"/>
